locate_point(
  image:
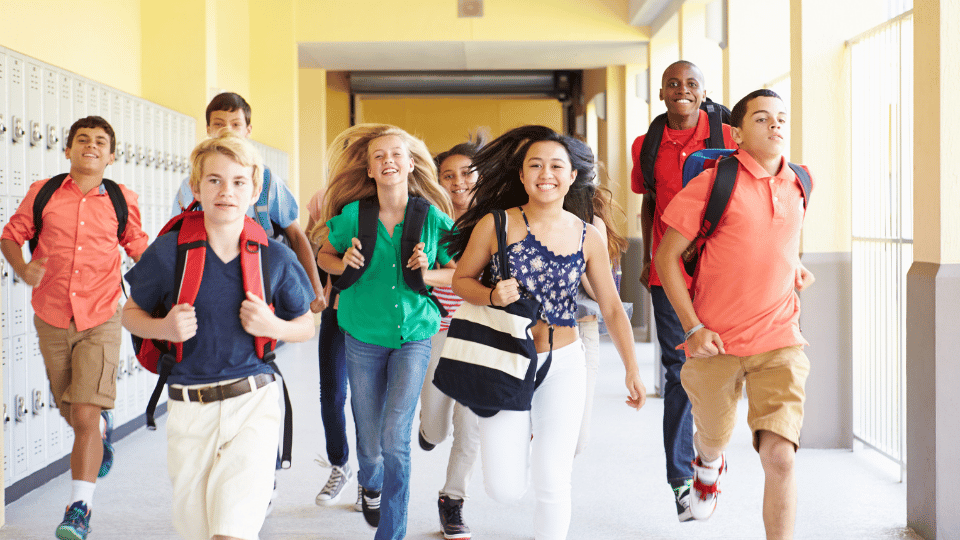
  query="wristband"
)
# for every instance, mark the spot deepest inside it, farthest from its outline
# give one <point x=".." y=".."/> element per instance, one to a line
<point x="692" y="331"/>
<point x="491" y="295"/>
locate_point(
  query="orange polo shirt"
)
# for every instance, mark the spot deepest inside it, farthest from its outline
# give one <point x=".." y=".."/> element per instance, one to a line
<point x="675" y="146"/>
<point x="79" y="239"/>
<point x="745" y="290"/>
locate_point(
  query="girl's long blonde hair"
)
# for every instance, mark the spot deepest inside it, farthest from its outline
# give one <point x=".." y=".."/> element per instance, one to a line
<point x="347" y="166"/>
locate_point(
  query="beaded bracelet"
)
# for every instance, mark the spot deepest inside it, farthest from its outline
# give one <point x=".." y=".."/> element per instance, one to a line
<point x="692" y="331"/>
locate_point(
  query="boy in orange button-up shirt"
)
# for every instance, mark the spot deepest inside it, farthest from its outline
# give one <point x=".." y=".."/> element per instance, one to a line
<point x="75" y="275"/>
<point x="743" y="322"/>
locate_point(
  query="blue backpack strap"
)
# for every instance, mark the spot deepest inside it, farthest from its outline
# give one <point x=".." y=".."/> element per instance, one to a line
<point x="261" y="209"/>
<point x="368" y="218"/>
<point x="805" y="183"/>
<point x="413" y="220"/>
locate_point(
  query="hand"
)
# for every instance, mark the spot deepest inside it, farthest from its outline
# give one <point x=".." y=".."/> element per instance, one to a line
<point x="33" y="272"/>
<point x="181" y="323"/>
<point x="804" y="278"/>
<point x="506" y="292"/>
<point x="319" y="304"/>
<point x="638" y="392"/>
<point x="645" y="275"/>
<point x="256" y="317"/>
<point x="352" y="256"/>
<point x="419" y="258"/>
<point x="703" y="344"/>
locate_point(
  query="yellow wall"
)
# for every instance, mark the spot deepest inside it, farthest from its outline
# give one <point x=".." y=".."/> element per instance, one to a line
<point x="231" y="63"/>
<point x="338" y="103"/>
<point x="102" y="43"/>
<point x="313" y="134"/>
<point x="444" y="122"/>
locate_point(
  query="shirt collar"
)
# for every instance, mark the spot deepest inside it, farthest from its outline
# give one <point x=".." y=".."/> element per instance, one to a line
<point x="702" y="132"/>
<point x="101" y="189"/>
<point x="758" y="172"/>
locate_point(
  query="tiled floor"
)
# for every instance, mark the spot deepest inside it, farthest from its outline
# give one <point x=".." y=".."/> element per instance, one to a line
<point x="619" y="486"/>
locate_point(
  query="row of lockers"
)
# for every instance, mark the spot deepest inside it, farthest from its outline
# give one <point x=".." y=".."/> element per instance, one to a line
<point x="38" y="104"/>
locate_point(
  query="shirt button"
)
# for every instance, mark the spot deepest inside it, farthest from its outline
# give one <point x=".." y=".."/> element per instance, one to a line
<point x="393" y="287"/>
<point x="73" y="294"/>
<point x="79" y="248"/>
<point x="76" y="271"/>
<point x="396" y="305"/>
<point x="81" y="223"/>
<point x="398" y="327"/>
<point x="776" y="199"/>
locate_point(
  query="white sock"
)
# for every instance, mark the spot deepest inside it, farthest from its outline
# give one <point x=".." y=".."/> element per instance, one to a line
<point x="715" y="464"/>
<point x="83" y="491"/>
<point x="103" y="425"/>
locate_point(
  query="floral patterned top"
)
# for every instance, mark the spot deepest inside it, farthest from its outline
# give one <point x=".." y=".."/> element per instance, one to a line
<point x="545" y="276"/>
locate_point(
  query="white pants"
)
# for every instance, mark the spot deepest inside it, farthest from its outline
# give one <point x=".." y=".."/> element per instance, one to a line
<point x="438" y="412"/>
<point x="509" y="455"/>
<point x="590" y="335"/>
<point x="221" y="458"/>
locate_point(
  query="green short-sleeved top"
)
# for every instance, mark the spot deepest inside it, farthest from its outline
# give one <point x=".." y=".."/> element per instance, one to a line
<point x="379" y="308"/>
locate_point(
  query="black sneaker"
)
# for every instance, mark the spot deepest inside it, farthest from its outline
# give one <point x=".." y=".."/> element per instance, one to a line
<point x="451" y="518"/>
<point x="371" y="507"/>
<point x="424" y="443"/>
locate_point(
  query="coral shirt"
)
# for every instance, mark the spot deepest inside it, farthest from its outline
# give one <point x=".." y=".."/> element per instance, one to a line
<point x="675" y="146"/>
<point x="745" y="289"/>
<point x="79" y="240"/>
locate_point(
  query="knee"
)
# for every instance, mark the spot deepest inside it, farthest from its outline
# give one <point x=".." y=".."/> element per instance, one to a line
<point x="507" y="491"/>
<point x="777" y="454"/>
<point x="85" y="417"/>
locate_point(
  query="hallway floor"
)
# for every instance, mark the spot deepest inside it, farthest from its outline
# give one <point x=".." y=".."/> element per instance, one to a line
<point x="619" y="490"/>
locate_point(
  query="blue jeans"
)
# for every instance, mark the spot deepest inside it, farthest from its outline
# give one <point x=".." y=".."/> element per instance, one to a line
<point x="677" y="418"/>
<point x="385" y="386"/>
<point x="333" y="387"/>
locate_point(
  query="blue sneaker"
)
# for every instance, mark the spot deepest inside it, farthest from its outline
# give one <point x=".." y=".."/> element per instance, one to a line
<point x="76" y="522"/>
<point x="107" y="462"/>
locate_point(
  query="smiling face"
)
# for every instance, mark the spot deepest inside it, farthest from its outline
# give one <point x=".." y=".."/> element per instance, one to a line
<point x="762" y="131"/>
<point x="457" y="177"/>
<point x="235" y="121"/>
<point x="547" y="173"/>
<point x="682" y="89"/>
<point x="226" y="189"/>
<point x="89" y="151"/>
<point x="389" y="161"/>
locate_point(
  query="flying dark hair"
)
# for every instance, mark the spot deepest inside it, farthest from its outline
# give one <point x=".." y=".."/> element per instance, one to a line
<point x="93" y="122"/>
<point x="229" y="102"/>
<point x="740" y="109"/>
<point x="498" y="165"/>
<point x="467" y="149"/>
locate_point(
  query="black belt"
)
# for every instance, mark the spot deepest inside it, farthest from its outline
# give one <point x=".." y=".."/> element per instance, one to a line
<point x="209" y="394"/>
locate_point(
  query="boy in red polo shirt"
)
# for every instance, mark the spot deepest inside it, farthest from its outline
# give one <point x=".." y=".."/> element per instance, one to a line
<point x="742" y="325"/>
<point x="687" y="130"/>
<point x="75" y="275"/>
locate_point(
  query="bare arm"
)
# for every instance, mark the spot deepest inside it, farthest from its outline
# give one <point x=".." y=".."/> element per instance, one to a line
<point x="301" y="246"/>
<point x="333" y="263"/>
<point x="466" y="279"/>
<point x="179" y="325"/>
<point x="598" y="271"/>
<point x="602" y="228"/>
<point x="704" y="342"/>
<point x="646" y="227"/>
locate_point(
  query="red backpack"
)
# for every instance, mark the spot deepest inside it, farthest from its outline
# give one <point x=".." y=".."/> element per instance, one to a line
<point x="159" y="356"/>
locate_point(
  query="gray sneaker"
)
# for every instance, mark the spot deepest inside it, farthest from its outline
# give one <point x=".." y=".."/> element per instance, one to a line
<point x="358" y="506"/>
<point x="339" y="478"/>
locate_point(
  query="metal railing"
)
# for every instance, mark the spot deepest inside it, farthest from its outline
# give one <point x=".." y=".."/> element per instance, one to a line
<point x="881" y="65"/>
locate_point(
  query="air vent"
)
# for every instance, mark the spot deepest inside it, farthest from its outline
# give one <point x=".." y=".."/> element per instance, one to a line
<point x="469" y="8"/>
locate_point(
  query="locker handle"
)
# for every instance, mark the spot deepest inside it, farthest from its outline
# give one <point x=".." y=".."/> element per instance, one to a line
<point x="3" y="125"/>
<point x="18" y="131"/>
<point x="128" y="152"/>
<point x="6" y="416"/>
<point x="21" y="411"/>
<point x="66" y="138"/>
<point x="36" y="133"/>
<point x="119" y="153"/>
<point x="52" y="138"/>
<point x="37" y="402"/>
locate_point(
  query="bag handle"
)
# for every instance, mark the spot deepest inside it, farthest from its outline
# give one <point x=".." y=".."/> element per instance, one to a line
<point x="500" y="226"/>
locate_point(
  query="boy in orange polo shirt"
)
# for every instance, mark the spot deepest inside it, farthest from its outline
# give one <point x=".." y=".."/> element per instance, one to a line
<point x="75" y="275"/>
<point x="687" y="129"/>
<point x="742" y="325"/>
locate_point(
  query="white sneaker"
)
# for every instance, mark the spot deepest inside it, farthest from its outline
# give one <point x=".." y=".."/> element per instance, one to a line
<point x="273" y="496"/>
<point x="339" y="478"/>
<point x="358" y="506"/>
<point x="706" y="490"/>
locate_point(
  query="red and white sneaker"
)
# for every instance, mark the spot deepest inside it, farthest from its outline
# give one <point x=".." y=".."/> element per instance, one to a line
<point x="706" y="490"/>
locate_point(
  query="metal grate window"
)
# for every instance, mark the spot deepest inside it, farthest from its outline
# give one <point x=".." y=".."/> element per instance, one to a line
<point x="882" y="244"/>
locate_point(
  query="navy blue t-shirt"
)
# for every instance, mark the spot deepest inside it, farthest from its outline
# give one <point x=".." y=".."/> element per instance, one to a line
<point x="222" y="349"/>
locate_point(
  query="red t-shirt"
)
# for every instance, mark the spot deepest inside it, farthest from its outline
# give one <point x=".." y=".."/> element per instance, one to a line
<point x="745" y="290"/>
<point x="675" y="146"/>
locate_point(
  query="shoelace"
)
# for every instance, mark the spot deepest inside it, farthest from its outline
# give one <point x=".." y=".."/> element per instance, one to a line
<point x="453" y="513"/>
<point x="76" y="516"/>
<point x="336" y="476"/>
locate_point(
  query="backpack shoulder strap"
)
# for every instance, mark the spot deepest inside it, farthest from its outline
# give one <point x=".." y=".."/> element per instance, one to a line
<point x="723" y="185"/>
<point x="716" y="125"/>
<point x="649" y="149"/>
<point x="413" y="220"/>
<point x="805" y="183"/>
<point x="119" y="205"/>
<point x="43" y="197"/>
<point x="255" y="266"/>
<point x="368" y="218"/>
<point x="261" y="208"/>
<point x="191" y="256"/>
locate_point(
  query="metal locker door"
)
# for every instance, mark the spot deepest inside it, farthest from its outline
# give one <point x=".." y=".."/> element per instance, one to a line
<point x="66" y="115"/>
<point x="53" y="158"/>
<point x="116" y="120"/>
<point x="149" y="143"/>
<point x="21" y="411"/>
<point x="17" y="295"/>
<point x="37" y="395"/>
<point x="18" y="125"/>
<point x="6" y="279"/>
<point x="104" y="109"/>
<point x="131" y="179"/>
<point x="165" y="174"/>
<point x="4" y="125"/>
<point x="93" y="98"/>
<point x="7" y="417"/>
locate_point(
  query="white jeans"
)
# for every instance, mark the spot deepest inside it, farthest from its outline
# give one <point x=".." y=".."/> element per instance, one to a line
<point x="590" y="335"/>
<point x="509" y="455"/>
<point x="438" y="412"/>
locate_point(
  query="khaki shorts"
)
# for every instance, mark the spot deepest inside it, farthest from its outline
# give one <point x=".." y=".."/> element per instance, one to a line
<point x="81" y="366"/>
<point x="221" y="457"/>
<point x="775" y="393"/>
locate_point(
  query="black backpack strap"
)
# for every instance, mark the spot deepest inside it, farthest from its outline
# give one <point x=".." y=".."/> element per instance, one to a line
<point x="413" y="220"/>
<point x="43" y="197"/>
<point x="164" y="367"/>
<point x="648" y="152"/>
<point x="715" y="118"/>
<point x="286" y="458"/>
<point x="805" y="183"/>
<point x="721" y="191"/>
<point x="367" y="218"/>
<point x="119" y="205"/>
